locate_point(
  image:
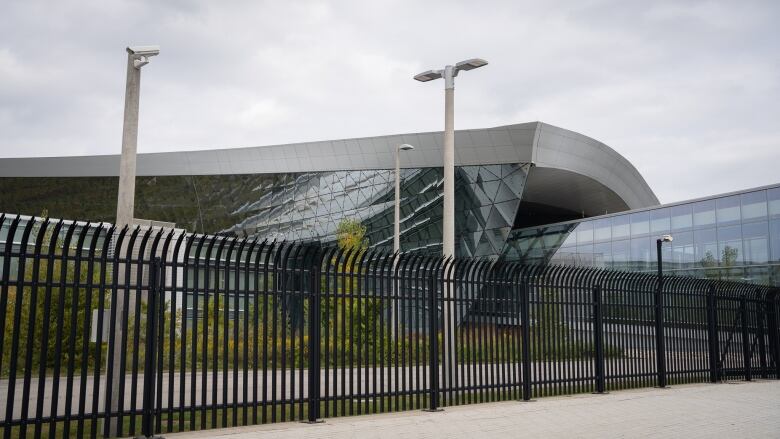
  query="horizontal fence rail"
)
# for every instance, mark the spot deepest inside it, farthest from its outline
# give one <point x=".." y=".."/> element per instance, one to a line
<point x="139" y="331"/>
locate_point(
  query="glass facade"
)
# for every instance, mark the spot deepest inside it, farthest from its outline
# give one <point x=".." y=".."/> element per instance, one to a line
<point x="297" y="206"/>
<point x="734" y="236"/>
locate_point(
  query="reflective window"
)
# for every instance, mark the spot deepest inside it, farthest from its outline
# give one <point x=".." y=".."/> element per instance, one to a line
<point x="640" y="252"/>
<point x="756" y="242"/>
<point x="621" y="252"/>
<point x="704" y="213"/>
<point x="757" y="274"/>
<point x="773" y="196"/>
<point x="682" y="217"/>
<point x="753" y="205"/>
<point x="659" y="221"/>
<point x="774" y="239"/>
<point x="621" y="227"/>
<point x="585" y="254"/>
<point x="728" y="210"/>
<point x="571" y="239"/>
<point x="640" y="223"/>
<point x="682" y="249"/>
<point x="602" y="254"/>
<point x="730" y="245"/>
<point x="585" y="232"/>
<point x="706" y="247"/>
<point x="602" y="229"/>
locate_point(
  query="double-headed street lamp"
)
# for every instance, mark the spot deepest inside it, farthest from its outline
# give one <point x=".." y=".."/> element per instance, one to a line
<point x="448" y="230"/>
<point x="660" y="346"/>
<point x="449" y="73"/>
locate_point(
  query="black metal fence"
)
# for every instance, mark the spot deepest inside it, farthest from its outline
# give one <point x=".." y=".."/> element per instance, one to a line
<point x="125" y="332"/>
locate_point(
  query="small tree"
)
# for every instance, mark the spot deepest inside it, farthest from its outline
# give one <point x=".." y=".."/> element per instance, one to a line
<point x="351" y="235"/>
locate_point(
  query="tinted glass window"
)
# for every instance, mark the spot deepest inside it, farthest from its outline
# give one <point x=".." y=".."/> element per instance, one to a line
<point x="706" y="244"/>
<point x="756" y="242"/>
<point x="602" y="254"/>
<point x="620" y="252"/>
<point x="602" y="229"/>
<point x="585" y="232"/>
<point x="773" y="195"/>
<point x="659" y="221"/>
<point x="682" y="248"/>
<point x="640" y="253"/>
<point x="640" y="223"/>
<point x="753" y="205"/>
<point x="682" y="217"/>
<point x="774" y="239"/>
<point x="728" y="210"/>
<point x="571" y="239"/>
<point x="585" y="254"/>
<point x="621" y="227"/>
<point x="730" y="245"/>
<point x="704" y="213"/>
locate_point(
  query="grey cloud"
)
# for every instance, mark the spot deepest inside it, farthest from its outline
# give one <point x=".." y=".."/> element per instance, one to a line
<point x="697" y="82"/>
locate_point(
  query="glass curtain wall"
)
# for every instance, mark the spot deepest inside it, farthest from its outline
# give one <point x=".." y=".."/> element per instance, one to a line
<point x="736" y="237"/>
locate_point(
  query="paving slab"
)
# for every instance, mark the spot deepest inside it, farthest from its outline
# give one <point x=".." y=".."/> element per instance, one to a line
<point x="726" y="410"/>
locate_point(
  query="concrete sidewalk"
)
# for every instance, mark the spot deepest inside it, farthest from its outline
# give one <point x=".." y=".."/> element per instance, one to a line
<point x="730" y="410"/>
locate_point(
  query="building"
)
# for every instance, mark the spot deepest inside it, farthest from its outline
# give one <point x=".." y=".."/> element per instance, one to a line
<point x="523" y="192"/>
<point x="507" y="178"/>
<point x="732" y="236"/>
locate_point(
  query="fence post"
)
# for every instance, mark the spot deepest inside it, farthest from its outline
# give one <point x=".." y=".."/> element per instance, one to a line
<point x="660" y="349"/>
<point x="525" y="330"/>
<point x="598" y="339"/>
<point x="712" y="334"/>
<point x="156" y="279"/>
<point x="433" y="354"/>
<point x="761" y="310"/>
<point x="314" y="342"/>
<point x="774" y="332"/>
<point x="745" y="338"/>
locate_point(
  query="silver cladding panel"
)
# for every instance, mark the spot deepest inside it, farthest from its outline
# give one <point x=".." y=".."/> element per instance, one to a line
<point x="544" y="145"/>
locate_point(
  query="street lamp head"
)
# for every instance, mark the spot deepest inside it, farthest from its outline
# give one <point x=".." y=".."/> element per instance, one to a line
<point x="470" y="64"/>
<point x="666" y="238"/>
<point x="430" y="75"/>
<point x="141" y="54"/>
<point x="405" y="147"/>
<point x="144" y="50"/>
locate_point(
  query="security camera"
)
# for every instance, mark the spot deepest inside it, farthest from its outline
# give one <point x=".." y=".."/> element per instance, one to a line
<point x="141" y="54"/>
<point x="144" y="50"/>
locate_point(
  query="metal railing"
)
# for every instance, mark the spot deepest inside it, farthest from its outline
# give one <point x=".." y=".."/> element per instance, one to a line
<point x="123" y="332"/>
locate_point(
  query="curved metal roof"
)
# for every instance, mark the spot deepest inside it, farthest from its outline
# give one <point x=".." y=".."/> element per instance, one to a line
<point x="543" y="145"/>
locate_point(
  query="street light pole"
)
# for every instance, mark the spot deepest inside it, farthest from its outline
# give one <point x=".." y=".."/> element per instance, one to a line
<point x="660" y="347"/>
<point x="397" y="229"/>
<point x="448" y="232"/>
<point x="449" y="73"/>
<point x="137" y="57"/>
<point x="448" y="212"/>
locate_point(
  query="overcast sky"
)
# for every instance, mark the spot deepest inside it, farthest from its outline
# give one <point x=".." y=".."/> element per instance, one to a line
<point x="689" y="92"/>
